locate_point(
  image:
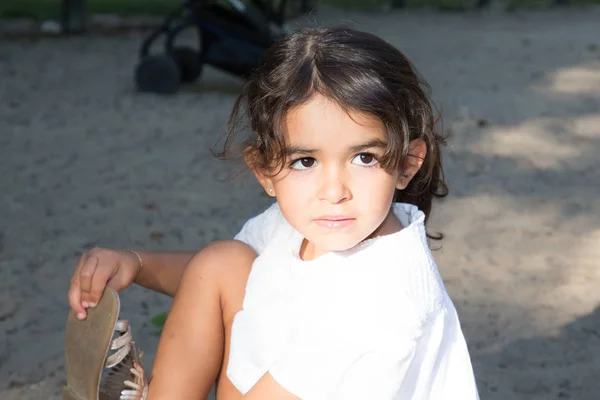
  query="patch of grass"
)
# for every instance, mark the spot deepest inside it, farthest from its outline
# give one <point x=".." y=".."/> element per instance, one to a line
<point x="51" y="9"/>
<point x="159" y="322"/>
<point x="449" y="5"/>
<point x="28" y="9"/>
<point x="513" y="5"/>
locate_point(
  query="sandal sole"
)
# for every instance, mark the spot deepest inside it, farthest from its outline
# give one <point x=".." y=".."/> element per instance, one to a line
<point x="86" y="348"/>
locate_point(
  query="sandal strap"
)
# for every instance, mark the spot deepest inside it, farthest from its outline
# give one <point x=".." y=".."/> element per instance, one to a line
<point x="122" y="325"/>
<point x="122" y="344"/>
<point x="117" y="357"/>
<point x="121" y="340"/>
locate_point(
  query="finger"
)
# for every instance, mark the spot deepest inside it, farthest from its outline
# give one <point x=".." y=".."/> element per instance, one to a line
<point x="75" y="298"/>
<point x="101" y="277"/>
<point x="86" y="273"/>
<point x="74" y="293"/>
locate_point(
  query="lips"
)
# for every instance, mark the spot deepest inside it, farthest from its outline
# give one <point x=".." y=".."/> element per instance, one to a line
<point x="334" y="221"/>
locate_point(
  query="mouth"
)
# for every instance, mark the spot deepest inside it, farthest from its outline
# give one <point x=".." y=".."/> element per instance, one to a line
<point x="334" y="221"/>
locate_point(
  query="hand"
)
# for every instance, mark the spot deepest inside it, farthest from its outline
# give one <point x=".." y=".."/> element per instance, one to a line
<point x="97" y="269"/>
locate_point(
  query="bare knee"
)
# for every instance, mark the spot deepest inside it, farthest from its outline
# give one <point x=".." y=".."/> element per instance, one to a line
<point x="224" y="264"/>
<point x="221" y="256"/>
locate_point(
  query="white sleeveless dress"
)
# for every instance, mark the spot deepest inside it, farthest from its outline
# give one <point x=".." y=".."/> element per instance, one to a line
<point x="374" y="322"/>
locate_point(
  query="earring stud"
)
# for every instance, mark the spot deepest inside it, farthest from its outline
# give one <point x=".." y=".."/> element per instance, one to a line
<point x="270" y="191"/>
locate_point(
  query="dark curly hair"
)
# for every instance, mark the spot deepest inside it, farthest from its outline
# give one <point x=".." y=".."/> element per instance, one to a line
<point x="360" y="72"/>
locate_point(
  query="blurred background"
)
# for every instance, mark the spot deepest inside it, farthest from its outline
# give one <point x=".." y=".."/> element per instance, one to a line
<point x="106" y="142"/>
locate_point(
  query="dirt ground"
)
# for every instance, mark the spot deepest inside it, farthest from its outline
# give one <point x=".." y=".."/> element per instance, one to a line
<point x="85" y="161"/>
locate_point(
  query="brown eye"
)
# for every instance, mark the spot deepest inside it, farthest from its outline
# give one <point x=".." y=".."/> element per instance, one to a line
<point x="365" y="159"/>
<point x="303" y="163"/>
<point x="307" y="162"/>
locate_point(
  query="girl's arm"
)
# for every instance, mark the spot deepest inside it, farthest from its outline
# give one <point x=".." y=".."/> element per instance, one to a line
<point x="158" y="271"/>
<point x="118" y="269"/>
<point x="162" y="271"/>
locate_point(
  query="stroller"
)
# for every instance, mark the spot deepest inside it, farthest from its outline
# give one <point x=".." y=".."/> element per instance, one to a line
<point x="232" y="36"/>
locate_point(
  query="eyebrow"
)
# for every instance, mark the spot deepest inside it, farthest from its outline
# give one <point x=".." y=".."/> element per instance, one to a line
<point x="375" y="143"/>
<point x="369" y="145"/>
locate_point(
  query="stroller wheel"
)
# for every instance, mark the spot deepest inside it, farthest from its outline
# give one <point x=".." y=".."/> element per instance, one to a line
<point x="157" y="74"/>
<point x="188" y="61"/>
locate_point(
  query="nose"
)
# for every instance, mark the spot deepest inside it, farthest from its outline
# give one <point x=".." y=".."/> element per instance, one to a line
<point x="334" y="187"/>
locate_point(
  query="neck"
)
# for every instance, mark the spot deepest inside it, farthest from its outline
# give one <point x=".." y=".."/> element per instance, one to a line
<point x="308" y="251"/>
<point x="391" y="224"/>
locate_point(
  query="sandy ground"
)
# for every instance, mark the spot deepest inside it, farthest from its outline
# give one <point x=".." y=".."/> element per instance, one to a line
<point x="85" y="161"/>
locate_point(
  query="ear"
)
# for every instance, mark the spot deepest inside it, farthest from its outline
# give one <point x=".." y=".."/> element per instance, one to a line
<point x="262" y="175"/>
<point x="417" y="150"/>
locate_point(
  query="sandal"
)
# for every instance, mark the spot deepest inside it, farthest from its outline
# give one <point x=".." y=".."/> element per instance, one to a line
<point x="87" y="347"/>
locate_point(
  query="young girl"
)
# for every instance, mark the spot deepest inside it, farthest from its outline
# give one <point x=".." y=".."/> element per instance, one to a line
<point x="331" y="293"/>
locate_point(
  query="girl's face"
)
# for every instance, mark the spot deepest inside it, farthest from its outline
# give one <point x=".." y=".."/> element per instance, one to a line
<point x="332" y="189"/>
